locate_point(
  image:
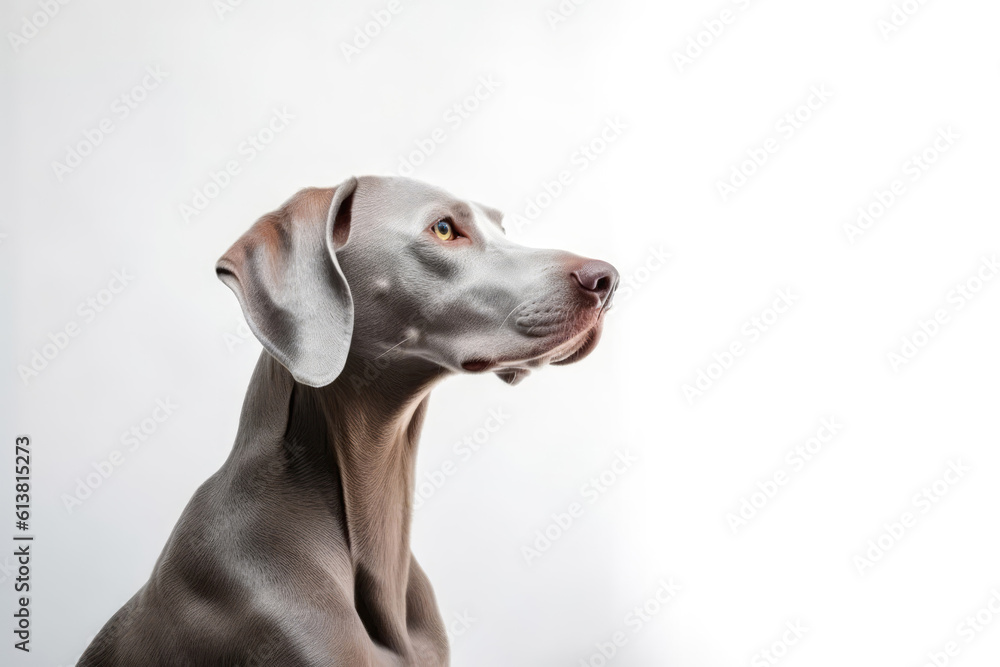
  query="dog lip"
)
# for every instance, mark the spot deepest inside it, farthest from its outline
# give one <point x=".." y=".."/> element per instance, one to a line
<point x="581" y="343"/>
<point x="584" y="348"/>
<point x="477" y="365"/>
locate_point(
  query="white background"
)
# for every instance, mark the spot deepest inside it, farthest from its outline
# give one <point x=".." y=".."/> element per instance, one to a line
<point x="170" y="333"/>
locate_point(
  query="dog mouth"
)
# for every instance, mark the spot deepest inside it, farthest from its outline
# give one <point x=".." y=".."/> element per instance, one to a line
<point x="478" y="365"/>
<point x="567" y="352"/>
<point x="584" y="348"/>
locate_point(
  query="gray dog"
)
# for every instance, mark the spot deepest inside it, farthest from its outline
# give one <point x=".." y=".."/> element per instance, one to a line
<point x="296" y="552"/>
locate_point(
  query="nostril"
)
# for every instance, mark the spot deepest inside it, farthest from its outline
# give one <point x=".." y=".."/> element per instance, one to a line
<point x="596" y="276"/>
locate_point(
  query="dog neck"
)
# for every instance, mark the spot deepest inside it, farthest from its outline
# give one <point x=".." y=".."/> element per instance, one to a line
<point x="351" y="448"/>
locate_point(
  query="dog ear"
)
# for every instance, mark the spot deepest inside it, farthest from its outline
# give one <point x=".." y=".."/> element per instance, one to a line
<point x="294" y="296"/>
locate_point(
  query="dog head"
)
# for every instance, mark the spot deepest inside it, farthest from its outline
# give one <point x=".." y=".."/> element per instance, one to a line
<point x="381" y="266"/>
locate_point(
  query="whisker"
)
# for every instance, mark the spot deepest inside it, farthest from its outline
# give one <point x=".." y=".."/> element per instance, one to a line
<point x="511" y="313"/>
<point x="395" y="346"/>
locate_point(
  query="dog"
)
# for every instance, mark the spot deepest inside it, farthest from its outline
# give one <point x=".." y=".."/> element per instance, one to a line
<point x="364" y="296"/>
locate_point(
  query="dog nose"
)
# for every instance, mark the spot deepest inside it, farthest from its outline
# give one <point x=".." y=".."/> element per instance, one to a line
<point x="597" y="277"/>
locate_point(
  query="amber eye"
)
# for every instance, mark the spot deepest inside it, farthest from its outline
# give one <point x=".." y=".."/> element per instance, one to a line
<point x="444" y="230"/>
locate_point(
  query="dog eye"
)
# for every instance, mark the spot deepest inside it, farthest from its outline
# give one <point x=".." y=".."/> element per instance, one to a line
<point x="444" y="230"/>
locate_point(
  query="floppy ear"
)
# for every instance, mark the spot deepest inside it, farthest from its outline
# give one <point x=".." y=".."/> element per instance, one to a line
<point x="294" y="296"/>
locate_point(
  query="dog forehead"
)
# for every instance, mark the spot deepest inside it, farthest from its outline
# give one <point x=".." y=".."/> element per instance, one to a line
<point x="395" y="199"/>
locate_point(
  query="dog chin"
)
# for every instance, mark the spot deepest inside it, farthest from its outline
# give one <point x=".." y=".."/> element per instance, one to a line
<point x="582" y="349"/>
<point x="564" y="353"/>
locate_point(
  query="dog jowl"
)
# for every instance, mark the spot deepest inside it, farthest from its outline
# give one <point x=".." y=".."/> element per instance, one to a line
<point x="364" y="296"/>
